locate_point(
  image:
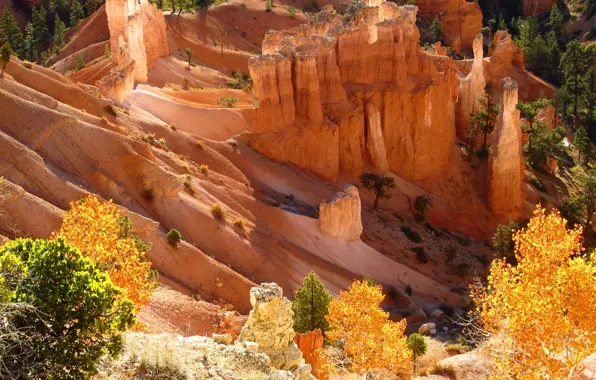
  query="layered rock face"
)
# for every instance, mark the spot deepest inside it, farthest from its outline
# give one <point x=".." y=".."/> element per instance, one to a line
<point x="461" y="20"/>
<point x="270" y="325"/>
<point x="538" y="7"/>
<point x="339" y="97"/>
<point x="341" y="218"/>
<point x="505" y="160"/>
<point x="138" y="35"/>
<point x="471" y="89"/>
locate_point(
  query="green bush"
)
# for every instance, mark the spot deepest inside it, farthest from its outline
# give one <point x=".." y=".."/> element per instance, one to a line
<point x="416" y="344"/>
<point x="62" y="313"/>
<point x="80" y="62"/>
<point x="412" y="235"/>
<point x="421" y="255"/>
<point x="227" y="101"/>
<point x="174" y="237"/>
<point x="292" y="11"/>
<point x="536" y="183"/>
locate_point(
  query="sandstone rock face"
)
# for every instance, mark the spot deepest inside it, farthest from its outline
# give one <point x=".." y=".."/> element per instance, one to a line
<point x="119" y="83"/>
<point x="538" y="7"/>
<point x="505" y="161"/>
<point x="471" y="88"/>
<point x="461" y="20"/>
<point x="137" y="35"/>
<point x="336" y="97"/>
<point x="341" y="218"/>
<point x="309" y="343"/>
<point x="270" y="325"/>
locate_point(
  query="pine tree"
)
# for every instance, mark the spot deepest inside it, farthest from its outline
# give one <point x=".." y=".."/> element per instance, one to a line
<point x="91" y="6"/>
<point x="59" y="31"/>
<point x="485" y="118"/>
<point x="77" y="13"/>
<point x="10" y="33"/>
<point x="29" y="51"/>
<point x="554" y="56"/>
<point x="528" y="111"/>
<point x="40" y="32"/>
<point x="574" y="64"/>
<point x="436" y="29"/>
<point x="582" y="143"/>
<point x="502" y="23"/>
<point x="5" y="53"/>
<point x="555" y="19"/>
<point x="58" y="6"/>
<point x="311" y="305"/>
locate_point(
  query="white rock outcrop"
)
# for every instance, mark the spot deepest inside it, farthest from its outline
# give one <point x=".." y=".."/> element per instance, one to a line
<point x="270" y="325"/>
<point x="342" y="217"/>
<point x="471" y="89"/>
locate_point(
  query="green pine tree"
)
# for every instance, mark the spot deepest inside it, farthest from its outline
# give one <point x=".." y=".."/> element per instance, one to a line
<point x="555" y="19"/>
<point x="436" y="29"/>
<point x="40" y="31"/>
<point x="59" y="32"/>
<point x="5" y="53"/>
<point x="77" y="13"/>
<point x="574" y="65"/>
<point x="30" y="52"/>
<point x="58" y="6"/>
<point x="311" y="305"/>
<point x="528" y="111"/>
<point x="554" y="56"/>
<point x="582" y="143"/>
<point x="485" y="118"/>
<point x="11" y="34"/>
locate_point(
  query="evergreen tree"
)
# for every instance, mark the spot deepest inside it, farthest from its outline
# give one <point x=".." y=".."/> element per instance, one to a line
<point x="40" y="32"/>
<point x="29" y="51"/>
<point x="502" y="23"/>
<point x="486" y="117"/>
<point x="562" y="101"/>
<point x="91" y="6"/>
<point x="10" y="33"/>
<point x="555" y="19"/>
<point x="58" y="6"/>
<point x="436" y="29"/>
<point x="503" y="241"/>
<point x="77" y="13"/>
<point x="380" y="184"/>
<point x="5" y="53"/>
<point x="574" y="64"/>
<point x="311" y="305"/>
<point x="59" y="31"/>
<point x="554" y="57"/>
<point x="528" y="111"/>
<point x="535" y="49"/>
<point x="582" y="143"/>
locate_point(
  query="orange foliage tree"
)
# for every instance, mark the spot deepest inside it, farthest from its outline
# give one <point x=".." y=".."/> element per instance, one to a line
<point x="541" y="314"/>
<point x="97" y="229"/>
<point x="371" y="341"/>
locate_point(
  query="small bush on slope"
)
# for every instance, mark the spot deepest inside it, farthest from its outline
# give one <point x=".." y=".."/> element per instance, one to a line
<point x="74" y="317"/>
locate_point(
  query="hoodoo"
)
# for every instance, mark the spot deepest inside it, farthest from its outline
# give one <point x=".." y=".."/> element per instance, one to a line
<point x="471" y="89"/>
<point x="505" y="160"/>
<point x="312" y="111"/>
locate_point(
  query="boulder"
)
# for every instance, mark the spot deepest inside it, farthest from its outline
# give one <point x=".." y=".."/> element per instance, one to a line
<point x="426" y="328"/>
<point x="270" y="325"/>
<point x="341" y="218"/>
<point x="310" y="344"/>
<point x="505" y="160"/>
<point x="437" y="314"/>
<point x="418" y="316"/>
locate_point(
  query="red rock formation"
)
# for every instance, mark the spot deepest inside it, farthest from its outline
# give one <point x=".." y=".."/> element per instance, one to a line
<point x="505" y="161"/>
<point x="341" y="218"/>
<point x="461" y="20"/>
<point x="119" y="83"/>
<point x="137" y="35"/>
<point x="471" y="88"/>
<point x="310" y="344"/>
<point x="538" y="7"/>
<point x="312" y="91"/>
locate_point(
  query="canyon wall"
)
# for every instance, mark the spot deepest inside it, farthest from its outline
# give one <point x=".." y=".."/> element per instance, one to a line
<point x="538" y="7"/>
<point x="505" y="160"/>
<point x="138" y="35"/>
<point x="461" y="20"/>
<point x="336" y="96"/>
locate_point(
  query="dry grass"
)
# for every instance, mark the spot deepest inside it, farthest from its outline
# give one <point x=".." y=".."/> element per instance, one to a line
<point x="218" y="211"/>
<point x="456" y="349"/>
<point x="200" y="144"/>
<point x="239" y="223"/>
<point x="204" y="169"/>
<point x="443" y="370"/>
<point x="435" y="352"/>
<point x="187" y="182"/>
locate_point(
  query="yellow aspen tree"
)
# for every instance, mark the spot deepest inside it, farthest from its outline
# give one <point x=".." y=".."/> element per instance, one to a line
<point x="370" y="339"/>
<point x="95" y="228"/>
<point x="541" y="314"/>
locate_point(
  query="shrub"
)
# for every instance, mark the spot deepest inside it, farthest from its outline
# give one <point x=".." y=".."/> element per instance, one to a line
<point x="409" y="290"/>
<point x="379" y="184"/>
<point x="204" y="169"/>
<point x="536" y="183"/>
<point x="268" y="5"/>
<point x="187" y="182"/>
<point x="416" y="344"/>
<point x="421" y="255"/>
<point x="456" y="349"/>
<point x="173" y="127"/>
<point x="451" y="253"/>
<point x="412" y="235"/>
<point x="69" y="312"/>
<point x="239" y="223"/>
<point x="80" y="63"/>
<point x="443" y="369"/>
<point x="463" y="269"/>
<point x="243" y="5"/>
<point x="227" y="101"/>
<point x="292" y="11"/>
<point x="111" y="109"/>
<point x="186" y="84"/>
<point x="310" y="305"/>
<point x="200" y="144"/>
<point x="106" y="50"/>
<point x="174" y="237"/>
<point x="419" y="208"/>
<point x="28" y="65"/>
<point x="101" y="233"/>
<point x="218" y="211"/>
